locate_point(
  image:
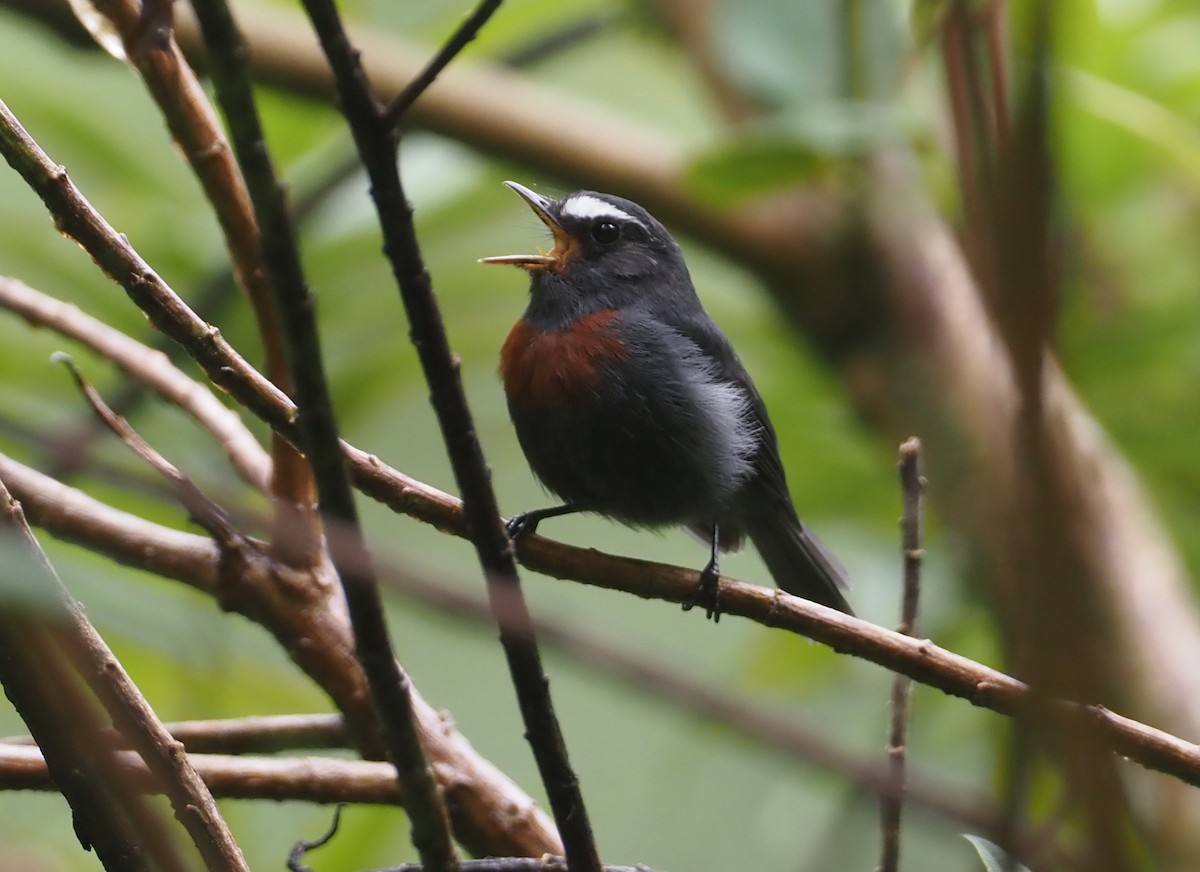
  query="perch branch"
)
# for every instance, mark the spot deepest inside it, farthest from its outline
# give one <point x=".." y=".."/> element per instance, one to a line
<point x="71" y="515"/>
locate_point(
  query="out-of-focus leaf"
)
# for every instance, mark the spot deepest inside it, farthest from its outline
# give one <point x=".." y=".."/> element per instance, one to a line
<point x="994" y="859"/>
<point x="794" y="54"/>
<point x="776" y="154"/>
<point x="1140" y="116"/>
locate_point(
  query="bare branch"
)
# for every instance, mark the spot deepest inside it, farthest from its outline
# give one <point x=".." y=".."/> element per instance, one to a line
<point x="36" y="634"/>
<point x="490" y="812"/>
<point x="299" y="779"/>
<point x="263" y="734"/>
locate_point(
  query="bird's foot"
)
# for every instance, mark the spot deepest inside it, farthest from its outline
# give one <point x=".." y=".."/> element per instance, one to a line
<point x="707" y="593"/>
<point x="523" y="524"/>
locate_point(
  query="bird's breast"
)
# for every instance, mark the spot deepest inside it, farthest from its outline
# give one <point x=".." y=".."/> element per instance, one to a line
<point x="545" y="369"/>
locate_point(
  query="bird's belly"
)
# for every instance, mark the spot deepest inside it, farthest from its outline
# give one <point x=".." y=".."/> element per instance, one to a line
<point x="614" y="459"/>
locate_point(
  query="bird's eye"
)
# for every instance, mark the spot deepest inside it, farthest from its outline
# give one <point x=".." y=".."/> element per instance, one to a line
<point x="606" y="232"/>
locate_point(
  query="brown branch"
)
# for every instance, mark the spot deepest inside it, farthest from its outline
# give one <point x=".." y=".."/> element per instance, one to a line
<point x="37" y="633"/>
<point x="920" y="659"/>
<point x="263" y="734"/>
<point x="490" y="813"/>
<point x="130" y="712"/>
<point x="295" y="779"/>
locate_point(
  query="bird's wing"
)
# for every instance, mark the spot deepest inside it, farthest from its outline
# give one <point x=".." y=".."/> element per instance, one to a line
<point x="768" y="465"/>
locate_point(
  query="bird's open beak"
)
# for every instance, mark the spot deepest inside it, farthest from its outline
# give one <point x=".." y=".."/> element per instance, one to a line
<point x="562" y="240"/>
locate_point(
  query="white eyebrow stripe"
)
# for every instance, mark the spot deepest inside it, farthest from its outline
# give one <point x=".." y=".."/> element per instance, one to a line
<point x="586" y="206"/>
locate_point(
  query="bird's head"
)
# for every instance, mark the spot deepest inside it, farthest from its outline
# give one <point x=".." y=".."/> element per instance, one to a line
<point x="604" y="247"/>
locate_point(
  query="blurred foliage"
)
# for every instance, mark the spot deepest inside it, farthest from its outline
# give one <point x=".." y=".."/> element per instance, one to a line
<point x="678" y="794"/>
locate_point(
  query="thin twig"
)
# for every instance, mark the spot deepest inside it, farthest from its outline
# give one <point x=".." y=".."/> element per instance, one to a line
<point x="389" y="684"/>
<point x="261" y="734"/>
<point x="321" y="780"/>
<point x="912" y="487"/>
<point x="466" y="32"/>
<point x="303" y="846"/>
<point x="199" y="506"/>
<point x="517" y="864"/>
<point x="147" y="367"/>
<point x="375" y="137"/>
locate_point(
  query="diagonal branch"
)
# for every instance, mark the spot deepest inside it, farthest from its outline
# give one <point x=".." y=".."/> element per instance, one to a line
<point x="69" y="514"/>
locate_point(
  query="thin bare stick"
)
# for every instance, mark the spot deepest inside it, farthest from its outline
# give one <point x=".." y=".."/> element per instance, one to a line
<point x="389" y="685"/>
<point x="200" y="508"/>
<point x="518" y="864"/>
<point x="466" y="32"/>
<point x="912" y="487"/>
<point x="298" y="779"/>
<point x="374" y="135"/>
<point x="148" y="367"/>
<point x="260" y="734"/>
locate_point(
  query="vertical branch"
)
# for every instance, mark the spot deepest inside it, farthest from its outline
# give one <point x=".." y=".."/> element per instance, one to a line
<point x="390" y="688"/>
<point x="374" y="135"/>
<point x="912" y="486"/>
<point x="974" y="139"/>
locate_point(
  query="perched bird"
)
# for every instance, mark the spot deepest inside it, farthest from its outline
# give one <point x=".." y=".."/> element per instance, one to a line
<point x="629" y="401"/>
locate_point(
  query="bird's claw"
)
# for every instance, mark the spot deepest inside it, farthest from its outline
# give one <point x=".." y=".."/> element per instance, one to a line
<point x="521" y="525"/>
<point x="707" y="594"/>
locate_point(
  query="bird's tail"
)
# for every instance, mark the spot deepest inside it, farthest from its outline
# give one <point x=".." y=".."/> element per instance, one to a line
<point x="798" y="561"/>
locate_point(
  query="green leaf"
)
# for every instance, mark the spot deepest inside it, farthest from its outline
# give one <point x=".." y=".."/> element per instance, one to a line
<point x="994" y="859"/>
<point x="764" y="158"/>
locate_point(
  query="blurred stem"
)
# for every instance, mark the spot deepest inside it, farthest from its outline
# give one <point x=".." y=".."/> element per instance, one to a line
<point x="854" y="65"/>
<point x="912" y="486"/>
<point x="36" y="633"/>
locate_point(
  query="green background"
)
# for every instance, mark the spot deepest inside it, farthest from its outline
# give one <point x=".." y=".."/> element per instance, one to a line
<point x="664" y="788"/>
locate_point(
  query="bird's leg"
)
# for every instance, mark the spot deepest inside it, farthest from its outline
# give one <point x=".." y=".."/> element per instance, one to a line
<point x="525" y="524"/>
<point x="707" y="591"/>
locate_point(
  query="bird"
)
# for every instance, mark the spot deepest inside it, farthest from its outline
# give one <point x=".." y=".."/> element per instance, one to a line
<point x="629" y="402"/>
